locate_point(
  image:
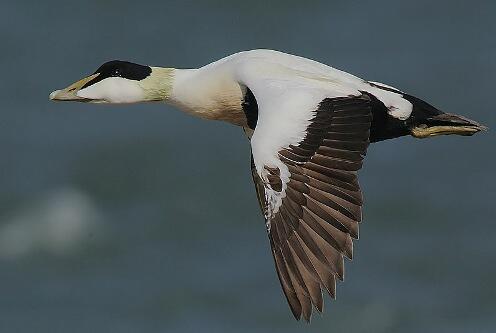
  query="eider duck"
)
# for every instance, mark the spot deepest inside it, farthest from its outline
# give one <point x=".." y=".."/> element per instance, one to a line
<point x="309" y="127"/>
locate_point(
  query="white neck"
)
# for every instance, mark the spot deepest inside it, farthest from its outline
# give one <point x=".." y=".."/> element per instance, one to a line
<point x="208" y="93"/>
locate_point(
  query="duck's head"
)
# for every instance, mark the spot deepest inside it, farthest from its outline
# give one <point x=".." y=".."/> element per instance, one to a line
<point x="119" y="82"/>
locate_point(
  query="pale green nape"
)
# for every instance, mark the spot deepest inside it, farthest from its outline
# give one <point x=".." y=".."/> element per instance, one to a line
<point x="158" y="85"/>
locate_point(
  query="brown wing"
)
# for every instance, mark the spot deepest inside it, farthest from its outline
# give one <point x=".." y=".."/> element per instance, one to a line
<point x="314" y="227"/>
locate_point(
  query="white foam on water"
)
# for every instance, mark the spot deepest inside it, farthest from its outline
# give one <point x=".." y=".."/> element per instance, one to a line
<point x="56" y="223"/>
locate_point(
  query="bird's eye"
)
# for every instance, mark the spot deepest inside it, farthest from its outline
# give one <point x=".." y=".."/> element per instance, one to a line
<point x="117" y="72"/>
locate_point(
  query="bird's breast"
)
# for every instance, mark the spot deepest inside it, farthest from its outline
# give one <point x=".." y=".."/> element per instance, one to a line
<point x="212" y="97"/>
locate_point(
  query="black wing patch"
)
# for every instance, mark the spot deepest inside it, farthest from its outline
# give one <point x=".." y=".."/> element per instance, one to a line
<point x="250" y="108"/>
<point x="314" y="227"/>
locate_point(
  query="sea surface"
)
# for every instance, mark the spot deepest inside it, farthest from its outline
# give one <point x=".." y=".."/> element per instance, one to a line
<point x="143" y="219"/>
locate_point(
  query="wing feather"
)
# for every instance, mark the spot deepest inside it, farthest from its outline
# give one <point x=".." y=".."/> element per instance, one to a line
<point x="320" y="202"/>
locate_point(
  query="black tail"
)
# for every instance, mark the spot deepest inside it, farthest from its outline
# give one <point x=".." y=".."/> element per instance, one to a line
<point x="424" y="121"/>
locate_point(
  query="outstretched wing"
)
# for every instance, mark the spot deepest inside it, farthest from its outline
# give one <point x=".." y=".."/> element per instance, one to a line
<point x="304" y="165"/>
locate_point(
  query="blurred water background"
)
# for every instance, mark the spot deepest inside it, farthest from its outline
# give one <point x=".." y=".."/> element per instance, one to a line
<point x="143" y="219"/>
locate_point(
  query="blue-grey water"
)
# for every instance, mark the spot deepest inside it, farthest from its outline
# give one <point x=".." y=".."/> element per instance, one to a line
<point x="143" y="219"/>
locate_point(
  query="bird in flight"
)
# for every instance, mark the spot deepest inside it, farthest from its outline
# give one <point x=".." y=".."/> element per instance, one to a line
<point x="309" y="127"/>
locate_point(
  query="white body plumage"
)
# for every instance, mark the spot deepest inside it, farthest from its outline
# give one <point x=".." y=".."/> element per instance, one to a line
<point x="309" y="126"/>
